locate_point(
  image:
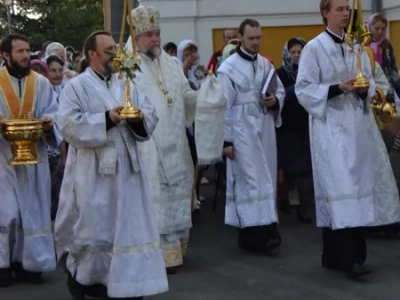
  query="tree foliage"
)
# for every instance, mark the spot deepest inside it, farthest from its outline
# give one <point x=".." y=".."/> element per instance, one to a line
<point x="66" y="21"/>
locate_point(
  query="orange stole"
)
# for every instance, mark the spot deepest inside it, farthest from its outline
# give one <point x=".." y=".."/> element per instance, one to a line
<point x="16" y="108"/>
<point x="19" y="109"/>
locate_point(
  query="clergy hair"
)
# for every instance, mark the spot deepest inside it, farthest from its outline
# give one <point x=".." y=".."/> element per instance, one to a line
<point x="91" y="42"/>
<point x="6" y="42"/>
<point x="250" y="22"/>
<point x="324" y="5"/>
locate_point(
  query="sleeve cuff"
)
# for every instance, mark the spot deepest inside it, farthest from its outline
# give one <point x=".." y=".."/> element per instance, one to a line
<point x="334" y="91"/>
<point x="227" y="144"/>
<point x="138" y="128"/>
<point x="109" y="123"/>
<point x="276" y="106"/>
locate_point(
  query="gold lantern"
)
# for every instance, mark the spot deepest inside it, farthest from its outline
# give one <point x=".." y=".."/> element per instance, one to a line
<point x="361" y="37"/>
<point x="126" y="63"/>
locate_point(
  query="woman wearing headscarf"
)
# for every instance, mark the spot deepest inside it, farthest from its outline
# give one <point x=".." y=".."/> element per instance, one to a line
<point x="228" y="51"/>
<point x="59" y="50"/>
<point x="189" y="57"/>
<point x="294" y="156"/>
<point x="40" y="67"/>
<point x="384" y="54"/>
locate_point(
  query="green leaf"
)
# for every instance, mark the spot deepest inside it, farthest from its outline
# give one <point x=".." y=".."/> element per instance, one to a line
<point x="129" y="73"/>
<point x="138" y="68"/>
<point x="110" y="53"/>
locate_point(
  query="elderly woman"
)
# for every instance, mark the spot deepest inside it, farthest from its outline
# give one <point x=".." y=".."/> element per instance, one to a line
<point x="294" y="156"/>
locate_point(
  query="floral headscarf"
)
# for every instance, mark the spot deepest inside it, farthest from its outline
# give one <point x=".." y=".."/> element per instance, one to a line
<point x="290" y="67"/>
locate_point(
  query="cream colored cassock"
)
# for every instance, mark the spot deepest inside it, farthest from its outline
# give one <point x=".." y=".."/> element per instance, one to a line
<point x="106" y="219"/>
<point x="166" y="155"/>
<point x="252" y="175"/>
<point x="352" y="173"/>
<point x="25" y="226"/>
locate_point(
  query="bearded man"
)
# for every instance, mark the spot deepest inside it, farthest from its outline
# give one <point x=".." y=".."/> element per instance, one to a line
<point x="106" y="221"/>
<point x="166" y="155"/>
<point x="26" y="239"/>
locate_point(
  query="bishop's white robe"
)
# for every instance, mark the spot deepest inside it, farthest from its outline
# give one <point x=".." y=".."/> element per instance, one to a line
<point x="25" y="227"/>
<point x="252" y="174"/>
<point x="344" y="138"/>
<point x="106" y="220"/>
<point x="166" y="155"/>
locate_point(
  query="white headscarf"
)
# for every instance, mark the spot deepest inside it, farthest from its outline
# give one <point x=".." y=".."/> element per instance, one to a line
<point x="51" y="50"/>
<point x="53" y="47"/>
<point x="191" y="72"/>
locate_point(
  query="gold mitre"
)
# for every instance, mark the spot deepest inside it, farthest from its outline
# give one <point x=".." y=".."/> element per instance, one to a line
<point x="145" y="19"/>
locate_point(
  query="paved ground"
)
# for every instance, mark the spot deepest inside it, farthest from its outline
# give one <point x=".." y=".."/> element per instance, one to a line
<point x="216" y="269"/>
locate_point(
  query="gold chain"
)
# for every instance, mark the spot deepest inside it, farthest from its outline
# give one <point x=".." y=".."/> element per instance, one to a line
<point x="161" y="83"/>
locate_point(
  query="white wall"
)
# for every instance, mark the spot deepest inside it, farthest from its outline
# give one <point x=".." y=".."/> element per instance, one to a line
<point x="195" y="19"/>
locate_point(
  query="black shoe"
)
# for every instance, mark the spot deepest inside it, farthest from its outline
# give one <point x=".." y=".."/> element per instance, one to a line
<point x="330" y="265"/>
<point x="304" y="216"/>
<point x="284" y="206"/>
<point x="358" y="271"/>
<point x="75" y="289"/>
<point x="6" y="279"/>
<point x="22" y="275"/>
<point x="172" y="270"/>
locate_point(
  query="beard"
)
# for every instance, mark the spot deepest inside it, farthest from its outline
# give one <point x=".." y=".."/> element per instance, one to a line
<point x="108" y="68"/>
<point x="153" y="53"/>
<point x="17" y="68"/>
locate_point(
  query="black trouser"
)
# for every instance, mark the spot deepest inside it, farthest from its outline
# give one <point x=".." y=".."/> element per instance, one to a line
<point x="343" y="248"/>
<point x="193" y="152"/>
<point x="257" y="236"/>
<point x="305" y="187"/>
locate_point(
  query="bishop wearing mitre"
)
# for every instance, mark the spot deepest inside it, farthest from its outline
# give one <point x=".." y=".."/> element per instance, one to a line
<point x="166" y="155"/>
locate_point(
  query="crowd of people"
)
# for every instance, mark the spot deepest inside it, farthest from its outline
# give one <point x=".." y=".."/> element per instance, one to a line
<point x="113" y="202"/>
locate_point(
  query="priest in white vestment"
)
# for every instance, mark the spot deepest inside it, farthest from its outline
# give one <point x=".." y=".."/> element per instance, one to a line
<point x="255" y="97"/>
<point x="106" y="221"/>
<point x="26" y="239"/>
<point x="166" y="155"/>
<point x="344" y="142"/>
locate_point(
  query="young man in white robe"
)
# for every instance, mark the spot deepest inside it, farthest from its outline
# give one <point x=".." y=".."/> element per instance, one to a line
<point x="106" y="220"/>
<point x="250" y="142"/>
<point x="166" y="155"/>
<point x="26" y="239"/>
<point x="343" y="142"/>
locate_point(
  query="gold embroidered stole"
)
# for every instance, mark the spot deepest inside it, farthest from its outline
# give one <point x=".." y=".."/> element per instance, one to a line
<point x="16" y="108"/>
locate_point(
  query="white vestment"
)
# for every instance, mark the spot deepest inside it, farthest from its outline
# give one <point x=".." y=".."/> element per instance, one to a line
<point x="387" y="205"/>
<point x="25" y="226"/>
<point x="106" y="220"/>
<point x="166" y="155"/>
<point x="252" y="174"/>
<point x="343" y="136"/>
